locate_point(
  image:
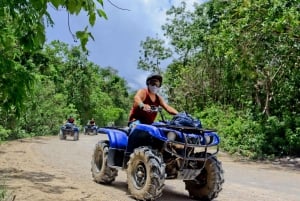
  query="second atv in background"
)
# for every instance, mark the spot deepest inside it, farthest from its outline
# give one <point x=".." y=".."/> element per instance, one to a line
<point x="91" y="128"/>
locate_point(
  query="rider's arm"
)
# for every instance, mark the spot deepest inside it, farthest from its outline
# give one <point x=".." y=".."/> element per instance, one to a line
<point x="139" y="97"/>
<point x="167" y="107"/>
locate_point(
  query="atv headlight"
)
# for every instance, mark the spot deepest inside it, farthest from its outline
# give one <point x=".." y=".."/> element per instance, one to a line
<point x="171" y="136"/>
<point x="208" y="139"/>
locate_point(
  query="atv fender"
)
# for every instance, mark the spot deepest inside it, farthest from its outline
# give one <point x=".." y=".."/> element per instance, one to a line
<point x="117" y="144"/>
<point x="117" y="138"/>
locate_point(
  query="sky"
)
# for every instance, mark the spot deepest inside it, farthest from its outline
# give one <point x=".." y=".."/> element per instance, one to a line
<point x="117" y="39"/>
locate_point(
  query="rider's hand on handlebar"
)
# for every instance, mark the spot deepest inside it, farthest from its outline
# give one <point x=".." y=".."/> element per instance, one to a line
<point x="150" y="108"/>
<point x="147" y="108"/>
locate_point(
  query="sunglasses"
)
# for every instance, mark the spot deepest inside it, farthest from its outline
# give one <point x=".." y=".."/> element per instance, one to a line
<point x="154" y="83"/>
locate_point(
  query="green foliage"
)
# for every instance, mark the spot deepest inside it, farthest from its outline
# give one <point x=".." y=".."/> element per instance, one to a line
<point x="84" y="37"/>
<point x="111" y="115"/>
<point x="66" y="84"/>
<point x="3" y="192"/>
<point x="152" y="54"/>
<point x="22" y="34"/>
<point x="236" y="67"/>
<point x="102" y="13"/>
<point x="16" y="76"/>
<point x="44" y="117"/>
<point x="242" y="54"/>
<point x="239" y="133"/>
<point x="4" y="133"/>
<point x="293" y="140"/>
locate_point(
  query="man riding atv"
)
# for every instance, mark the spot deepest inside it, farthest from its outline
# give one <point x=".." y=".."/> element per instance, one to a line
<point x="146" y="98"/>
<point x="151" y="152"/>
<point x="92" y="122"/>
<point x="91" y="127"/>
<point x="70" y="120"/>
<point x="69" y="128"/>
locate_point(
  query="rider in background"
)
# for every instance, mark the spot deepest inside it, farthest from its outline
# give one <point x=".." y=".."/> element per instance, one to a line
<point x="92" y="122"/>
<point x="145" y="98"/>
<point x="71" y="120"/>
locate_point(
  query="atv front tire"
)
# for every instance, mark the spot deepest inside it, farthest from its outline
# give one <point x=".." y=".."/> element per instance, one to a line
<point x="145" y="174"/>
<point x="100" y="171"/>
<point x="209" y="183"/>
<point x="61" y="135"/>
<point x="76" y="136"/>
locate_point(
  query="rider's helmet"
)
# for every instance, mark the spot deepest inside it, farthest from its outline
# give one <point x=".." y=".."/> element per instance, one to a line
<point x="154" y="76"/>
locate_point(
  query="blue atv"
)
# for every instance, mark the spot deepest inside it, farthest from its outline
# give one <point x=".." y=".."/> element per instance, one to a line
<point x="90" y="129"/>
<point x="150" y="154"/>
<point x="69" y="129"/>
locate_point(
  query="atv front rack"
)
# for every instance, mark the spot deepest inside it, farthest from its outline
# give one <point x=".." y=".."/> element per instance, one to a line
<point x="186" y="129"/>
<point x="191" y="138"/>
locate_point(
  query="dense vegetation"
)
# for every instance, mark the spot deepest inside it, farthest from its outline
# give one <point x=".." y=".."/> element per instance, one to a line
<point x="235" y="66"/>
<point x="41" y="85"/>
<point x="66" y="83"/>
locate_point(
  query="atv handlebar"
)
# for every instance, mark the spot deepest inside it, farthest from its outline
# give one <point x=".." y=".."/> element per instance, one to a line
<point x="153" y="108"/>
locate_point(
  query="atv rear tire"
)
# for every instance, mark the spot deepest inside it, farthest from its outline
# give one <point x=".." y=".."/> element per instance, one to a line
<point x="212" y="179"/>
<point x="100" y="171"/>
<point x="145" y="174"/>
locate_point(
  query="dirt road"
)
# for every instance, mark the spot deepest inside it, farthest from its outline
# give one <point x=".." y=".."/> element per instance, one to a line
<point x="47" y="168"/>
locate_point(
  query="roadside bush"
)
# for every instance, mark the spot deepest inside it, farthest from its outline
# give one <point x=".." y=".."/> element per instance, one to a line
<point x="253" y="137"/>
<point x="3" y="133"/>
<point x="5" y="195"/>
<point x="3" y="191"/>
<point x="239" y="133"/>
<point x="293" y="141"/>
<point x="18" y="133"/>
